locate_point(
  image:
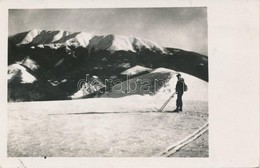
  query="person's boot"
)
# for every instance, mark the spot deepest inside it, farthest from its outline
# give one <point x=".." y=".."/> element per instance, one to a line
<point x="176" y="110"/>
<point x="180" y="109"/>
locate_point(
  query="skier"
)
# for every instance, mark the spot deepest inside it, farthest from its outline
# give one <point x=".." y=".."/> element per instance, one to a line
<point x="179" y="91"/>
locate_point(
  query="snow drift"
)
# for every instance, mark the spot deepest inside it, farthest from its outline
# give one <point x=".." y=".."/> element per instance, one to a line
<point x="160" y="84"/>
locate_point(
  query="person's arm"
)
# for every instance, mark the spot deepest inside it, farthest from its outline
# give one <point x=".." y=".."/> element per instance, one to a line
<point x="177" y="88"/>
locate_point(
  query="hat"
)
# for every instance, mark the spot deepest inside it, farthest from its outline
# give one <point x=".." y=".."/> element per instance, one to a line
<point x="178" y="75"/>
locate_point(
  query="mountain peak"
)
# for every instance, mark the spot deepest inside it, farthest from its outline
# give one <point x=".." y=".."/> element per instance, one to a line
<point x="30" y="36"/>
<point x="114" y="42"/>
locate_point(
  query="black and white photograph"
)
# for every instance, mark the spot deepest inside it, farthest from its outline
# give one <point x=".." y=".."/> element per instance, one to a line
<point x="112" y="82"/>
<point x="129" y="84"/>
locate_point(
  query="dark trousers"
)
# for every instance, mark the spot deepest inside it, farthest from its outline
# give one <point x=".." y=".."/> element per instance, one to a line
<point x="179" y="100"/>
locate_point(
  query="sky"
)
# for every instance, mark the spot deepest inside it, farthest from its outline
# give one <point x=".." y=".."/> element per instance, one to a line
<point x="184" y="28"/>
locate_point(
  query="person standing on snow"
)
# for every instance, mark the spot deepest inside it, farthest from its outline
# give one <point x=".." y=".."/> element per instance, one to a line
<point x="179" y="89"/>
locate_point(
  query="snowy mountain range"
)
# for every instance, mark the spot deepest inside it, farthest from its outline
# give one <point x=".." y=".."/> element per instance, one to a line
<point x="48" y="65"/>
<point x="57" y="39"/>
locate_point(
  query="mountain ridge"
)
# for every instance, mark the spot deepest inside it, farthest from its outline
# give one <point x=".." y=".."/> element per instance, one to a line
<point x="110" y="42"/>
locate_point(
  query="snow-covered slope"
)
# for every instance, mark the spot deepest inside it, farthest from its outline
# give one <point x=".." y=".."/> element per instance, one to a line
<point x="197" y="88"/>
<point x="76" y="39"/>
<point x="111" y="43"/>
<point x="16" y="71"/>
<point x="29" y="63"/>
<point x="139" y="44"/>
<point x="55" y="39"/>
<point x="86" y="88"/>
<point x="30" y="36"/>
<point x="117" y="43"/>
<point x="37" y="36"/>
<point x="135" y="70"/>
<point x="160" y="84"/>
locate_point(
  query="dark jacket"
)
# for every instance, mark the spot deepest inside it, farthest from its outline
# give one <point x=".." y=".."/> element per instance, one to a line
<point x="180" y="86"/>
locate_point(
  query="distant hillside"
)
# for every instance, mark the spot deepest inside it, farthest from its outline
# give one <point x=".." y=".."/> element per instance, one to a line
<point x="160" y="83"/>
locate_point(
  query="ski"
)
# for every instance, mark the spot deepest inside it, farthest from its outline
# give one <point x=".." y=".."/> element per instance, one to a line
<point x="165" y="104"/>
